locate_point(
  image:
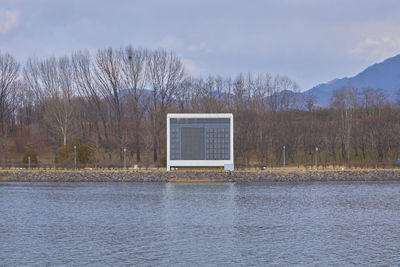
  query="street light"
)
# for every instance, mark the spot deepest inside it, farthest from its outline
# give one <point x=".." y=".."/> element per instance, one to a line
<point x="124" y="158"/>
<point x="75" y="157"/>
<point x="284" y="157"/>
<point x="316" y="158"/>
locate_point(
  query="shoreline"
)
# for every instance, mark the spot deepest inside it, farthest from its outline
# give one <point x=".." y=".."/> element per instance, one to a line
<point x="199" y="176"/>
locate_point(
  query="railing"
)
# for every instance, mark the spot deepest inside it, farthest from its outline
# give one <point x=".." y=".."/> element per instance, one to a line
<point x="59" y="166"/>
<point x="238" y="166"/>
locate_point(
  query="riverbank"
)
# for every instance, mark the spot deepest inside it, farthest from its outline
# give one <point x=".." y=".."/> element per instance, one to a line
<point x="199" y="176"/>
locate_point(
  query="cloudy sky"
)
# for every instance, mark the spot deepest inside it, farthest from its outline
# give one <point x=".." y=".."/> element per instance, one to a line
<point x="311" y="41"/>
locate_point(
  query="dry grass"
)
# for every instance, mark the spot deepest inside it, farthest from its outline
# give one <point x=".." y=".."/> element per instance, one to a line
<point x="4" y="178"/>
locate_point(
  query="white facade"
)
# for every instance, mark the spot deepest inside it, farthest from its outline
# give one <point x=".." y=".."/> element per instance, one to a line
<point x="225" y="158"/>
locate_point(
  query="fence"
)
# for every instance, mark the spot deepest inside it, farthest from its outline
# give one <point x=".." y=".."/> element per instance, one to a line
<point x="238" y="166"/>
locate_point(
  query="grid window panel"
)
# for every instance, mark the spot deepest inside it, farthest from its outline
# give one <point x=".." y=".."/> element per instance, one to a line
<point x="175" y="144"/>
<point x="218" y="146"/>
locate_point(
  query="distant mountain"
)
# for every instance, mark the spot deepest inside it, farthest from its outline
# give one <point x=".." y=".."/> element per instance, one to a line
<point x="384" y="75"/>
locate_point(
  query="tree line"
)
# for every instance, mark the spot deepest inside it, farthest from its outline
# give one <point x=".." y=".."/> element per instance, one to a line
<point x="113" y="99"/>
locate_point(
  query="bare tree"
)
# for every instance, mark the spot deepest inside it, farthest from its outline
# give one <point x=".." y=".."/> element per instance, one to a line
<point x="166" y="73"/>
<point x="120" y="97"/>
<point x="9" y="75"/>
<point x="134" y="74"/>
<point x="52" y="82"/>
<point x="185" y="94"/>
<point x="398" y="98"/>
<point x="309" y="101"/>
<point x="346" y="100"/>
<point x="109" y="81"/>
<point x="87" y="88"/>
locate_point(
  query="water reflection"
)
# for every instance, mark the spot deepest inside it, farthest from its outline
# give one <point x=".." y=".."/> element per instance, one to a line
<point x="200" y="220"/>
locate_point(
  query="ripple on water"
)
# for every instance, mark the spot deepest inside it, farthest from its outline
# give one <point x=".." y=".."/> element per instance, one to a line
<point x="199" y="224"/>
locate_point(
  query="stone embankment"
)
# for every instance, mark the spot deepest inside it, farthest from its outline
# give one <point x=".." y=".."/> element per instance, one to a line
<point x="198" y="176"/>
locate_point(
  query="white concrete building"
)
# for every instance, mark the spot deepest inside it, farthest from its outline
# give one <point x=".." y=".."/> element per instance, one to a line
<point x="200" y="140"/>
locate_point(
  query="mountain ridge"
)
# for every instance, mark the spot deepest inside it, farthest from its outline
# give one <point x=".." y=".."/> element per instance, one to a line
<point x="384" y="75"/>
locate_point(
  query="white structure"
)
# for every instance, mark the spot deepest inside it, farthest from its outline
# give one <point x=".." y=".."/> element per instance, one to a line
<point x="200" y="140"/>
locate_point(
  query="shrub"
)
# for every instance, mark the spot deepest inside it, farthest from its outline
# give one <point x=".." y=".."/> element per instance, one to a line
<point x="30" y="152"/>
<point x="65" y="154"/>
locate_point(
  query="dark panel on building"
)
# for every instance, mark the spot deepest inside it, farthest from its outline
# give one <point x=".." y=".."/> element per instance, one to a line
<point x="192" y="143"/>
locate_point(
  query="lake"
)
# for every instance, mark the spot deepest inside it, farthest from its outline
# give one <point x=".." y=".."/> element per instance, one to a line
<point x="217" y="224"/>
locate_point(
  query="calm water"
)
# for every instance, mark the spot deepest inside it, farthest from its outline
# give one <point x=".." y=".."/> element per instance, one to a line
<point x="199" y="224"/>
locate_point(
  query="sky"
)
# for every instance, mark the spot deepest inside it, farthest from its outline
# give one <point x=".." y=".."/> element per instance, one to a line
<point x="310" y="41"/>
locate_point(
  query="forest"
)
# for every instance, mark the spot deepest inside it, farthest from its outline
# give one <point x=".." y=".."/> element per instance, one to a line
<point x="110" y="106"/>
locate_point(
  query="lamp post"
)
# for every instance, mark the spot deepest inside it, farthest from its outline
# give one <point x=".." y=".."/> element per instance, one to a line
<point x="75" y="157"/>
<point x="284" y="157"/>
<point x="316" y="158"/>
<point x="124" y="158"/>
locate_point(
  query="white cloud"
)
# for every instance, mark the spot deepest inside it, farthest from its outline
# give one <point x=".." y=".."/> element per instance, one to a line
<point x="379" y="40"/>
<point x="9" y="19"/>
<point x="377" y="49"/>
<point x="191" y="67"/>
